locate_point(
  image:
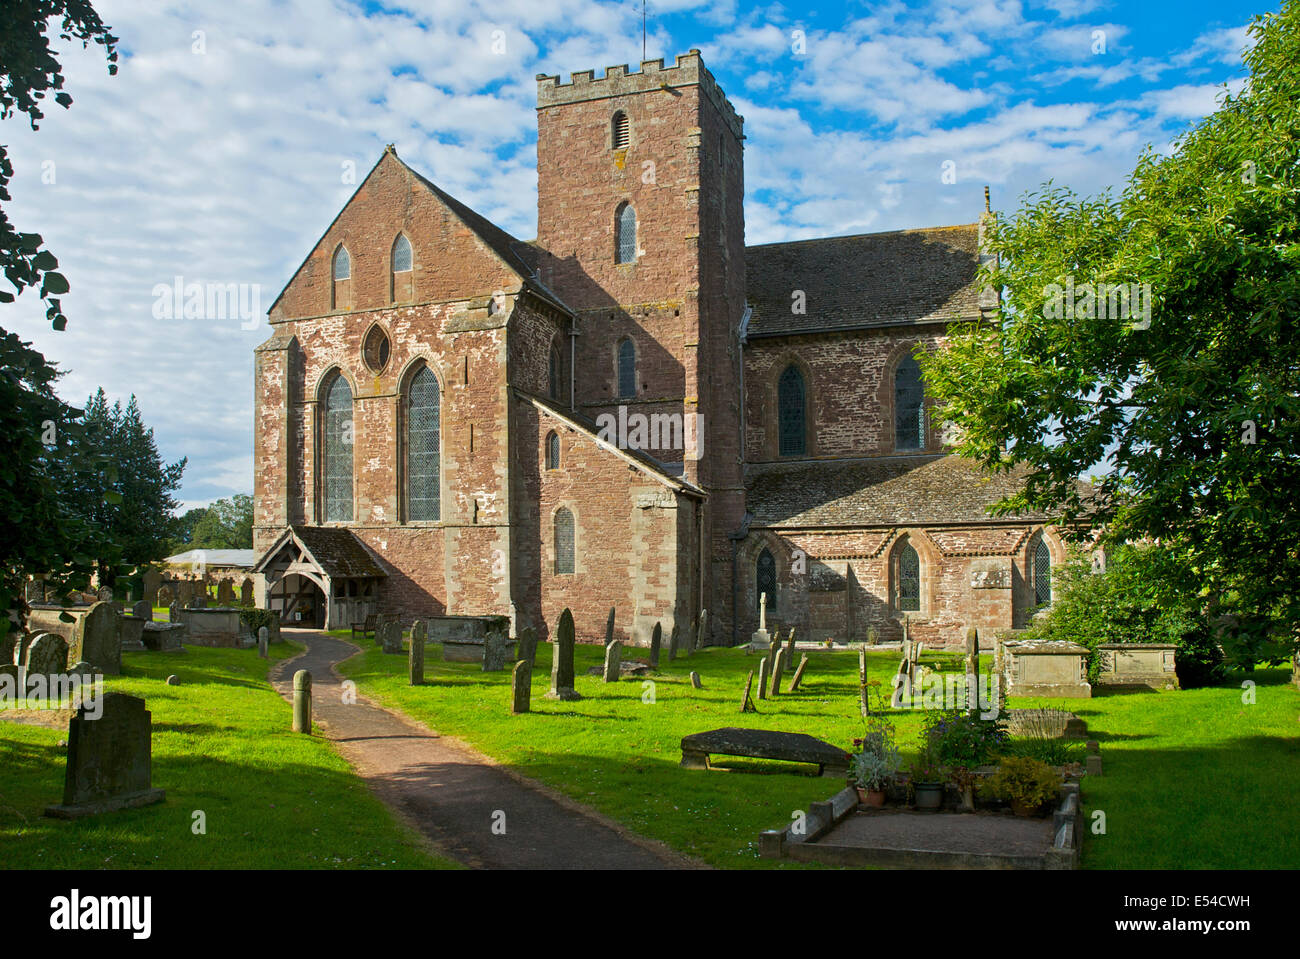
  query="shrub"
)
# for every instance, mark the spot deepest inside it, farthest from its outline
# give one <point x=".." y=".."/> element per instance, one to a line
<point x="877" y="761"/>
<point x="1199" y="660"/>
<point x="958" y="739"/>
<point x="1054" y="752"/>
<point x="1024" y="780"/>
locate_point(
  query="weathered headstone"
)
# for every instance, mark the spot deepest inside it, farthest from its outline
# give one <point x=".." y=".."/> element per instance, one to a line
<point x="390" y="637"/>
<point x="527" y="649"/>
<point x="695" y="680"/>
<point x="100" y="635"/>
<point x="226" y="592"/>
<point x="247" y="595"/>
<point x="672" y="644"/>
<point x="109" y="759"/>
<point x="152" y="583"/>
<point x="798" y="673"/>
<point x="701" y="632"/>
<point x="772" y="651"/>
<point x="142" y="610"/>
<point x="302" y="702"/>
<point x="762" y="678"/>
<point x="609" y="627"/>
<point x="972" y="669"/>
<point x="174" y="613"/>
<point x="613" y="659"/>
<point x="415" y="655"/>
<point x="34" y="591"/>
<point x="656" y="639"/>
<point x="789" y="647"/>
<point x="496" y="647"/>
<point x="105" y="594"/>
<point x="778" y="669"/>
<point x="47" y="655"/>
<point x="166" y="596"/>
<point x="521" y="687"/>
<point x="263" y="641"/>
<point x="185" y="592"/>
<point x="562" y="661"/>
<point x="747" y="703"/>
<point x="22" y="643"/>
<point x="864" y="705"/>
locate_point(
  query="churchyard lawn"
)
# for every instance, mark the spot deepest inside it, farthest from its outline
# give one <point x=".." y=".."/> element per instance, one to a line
<point x="1193" y="779"/>
<point x="221" y="745"/>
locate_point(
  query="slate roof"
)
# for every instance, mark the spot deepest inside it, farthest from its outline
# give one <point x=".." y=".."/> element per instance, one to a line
<point x="884" y="491"/>
<point x="854" y="282"/>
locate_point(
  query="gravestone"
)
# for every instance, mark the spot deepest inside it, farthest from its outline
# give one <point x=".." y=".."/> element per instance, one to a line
<point x="772" y="651"/>
<point x="656" y="638"/>
<point x="695" y="680"/>
<point x="747" y="703"/>
<point x="105" y="594"/>
<point x="109" y="759"/>
<point x="166" y="596"/>
<point x="798" y="673"/>
<point x="521" y="687"/>
<point x="34" y="592"/>
<point x="778" y="669"/>
<point x="152" y="583"/>
<point x="609" y="628"/>
<point x="415" y="655"/>
<point x="562" y="661"/>
<point x="762" y="678"/>
<point x="864" y="706"/>
<point x="760" y="639"/>
<point x="247" y="596"/>
<point x="613" y="658"/>
<point x="972" y="669"/>
<point x="100" y="636"/>
<point x="47" y="655"/>
<point x="142" y="610"/>
<point x="185" y="592"/>
<point x="672" y="644"/>
<point x="174" y="613"/>
<point x="22" y="642"/>
<point x="527" y="650"/>
<point x="789" y="647"/>
<point x="702" y="633"/>
<point x="390" y="637"/>
<point x="496" y="647"/>
<point x="263" y="641"/>
<point x="226" y="592"/>
<point x="301" y="702"/>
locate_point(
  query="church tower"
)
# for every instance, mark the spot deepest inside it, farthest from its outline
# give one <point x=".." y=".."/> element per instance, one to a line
<point x="641" y="217"/>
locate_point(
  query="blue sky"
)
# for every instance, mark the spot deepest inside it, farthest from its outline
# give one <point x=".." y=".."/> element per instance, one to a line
<point x="222" y="149"/>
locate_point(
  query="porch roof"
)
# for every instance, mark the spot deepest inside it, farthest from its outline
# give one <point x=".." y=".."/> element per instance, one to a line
<point x="336" y="552"/>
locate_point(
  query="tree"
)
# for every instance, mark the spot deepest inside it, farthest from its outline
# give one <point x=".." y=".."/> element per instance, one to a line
<point x="183" y="529"/>
<point x="228" y="524"/>
<point x="28" y="71"/>
<point x="1191" y="399"/>
<point x="132" y="506"/>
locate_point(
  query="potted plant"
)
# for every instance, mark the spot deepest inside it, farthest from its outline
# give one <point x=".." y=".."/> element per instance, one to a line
<point x="1026" y="783"/>
<point x="927" y="779"/>
<point x="965" y="779"/>
<point x="876" y="763"/>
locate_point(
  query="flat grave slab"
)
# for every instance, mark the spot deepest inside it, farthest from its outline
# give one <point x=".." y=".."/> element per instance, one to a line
<point x="764" y="744"/>
<point x="903" y="839"/>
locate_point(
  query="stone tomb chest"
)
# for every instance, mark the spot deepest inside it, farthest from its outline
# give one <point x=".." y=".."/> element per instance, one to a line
<point x="1137" y="664"/>
<point x="215" y="627"/>
<point x="463" y="637"/>
<point x="1056" y="668"/>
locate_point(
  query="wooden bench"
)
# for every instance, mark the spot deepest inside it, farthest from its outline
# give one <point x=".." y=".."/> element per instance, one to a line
<point x="367" y="628"/>
<point x="764" y="744"/>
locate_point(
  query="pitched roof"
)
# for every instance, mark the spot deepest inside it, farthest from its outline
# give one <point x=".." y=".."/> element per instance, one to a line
<point x="874" y="279"/>
<point x="883" y="491"/>
<point x="337" y="551"/>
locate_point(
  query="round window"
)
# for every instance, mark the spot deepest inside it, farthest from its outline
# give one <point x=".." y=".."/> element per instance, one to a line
<point x="375" y="350"/>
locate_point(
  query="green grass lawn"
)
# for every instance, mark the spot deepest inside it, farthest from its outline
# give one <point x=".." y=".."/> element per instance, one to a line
<point x="1191" y="778"/>
<point x="222" y="744"/>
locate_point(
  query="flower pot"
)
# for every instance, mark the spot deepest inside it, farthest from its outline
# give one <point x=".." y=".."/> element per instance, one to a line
<point x="929" y="795"/>
<point x="871" y="797"/>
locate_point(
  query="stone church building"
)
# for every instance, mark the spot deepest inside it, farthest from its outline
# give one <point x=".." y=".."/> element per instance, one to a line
<point x="634" y="409"/>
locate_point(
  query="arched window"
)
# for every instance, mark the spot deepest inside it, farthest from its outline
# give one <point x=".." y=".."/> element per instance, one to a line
<point x="791" y="418"/>
<point x="336" y="453"/>
<point x="1042" y="574"/>
<point x="342" y="264"/>
<point x="423" y="448"/>
<point x="626" y="370"/>
<point x="909" y="406"/>
<point x="401" y="254"/>
<point x="765" y="579"/>
<point x="555" y="372"/>
<point x="619" y="131"/>
<point x="552" y="451"/>
<point x="563" y="542"/>
<point x="625" y="234"/>
<point x="909" y="579"/>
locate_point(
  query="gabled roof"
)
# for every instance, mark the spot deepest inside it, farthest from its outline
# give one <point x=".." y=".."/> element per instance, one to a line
<point x="880" y="491"/>
<point x="519" y="257"/>
<point x="640" y="460"/>
<point x="336" y="551"/>
<point x="856" y="282"/>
